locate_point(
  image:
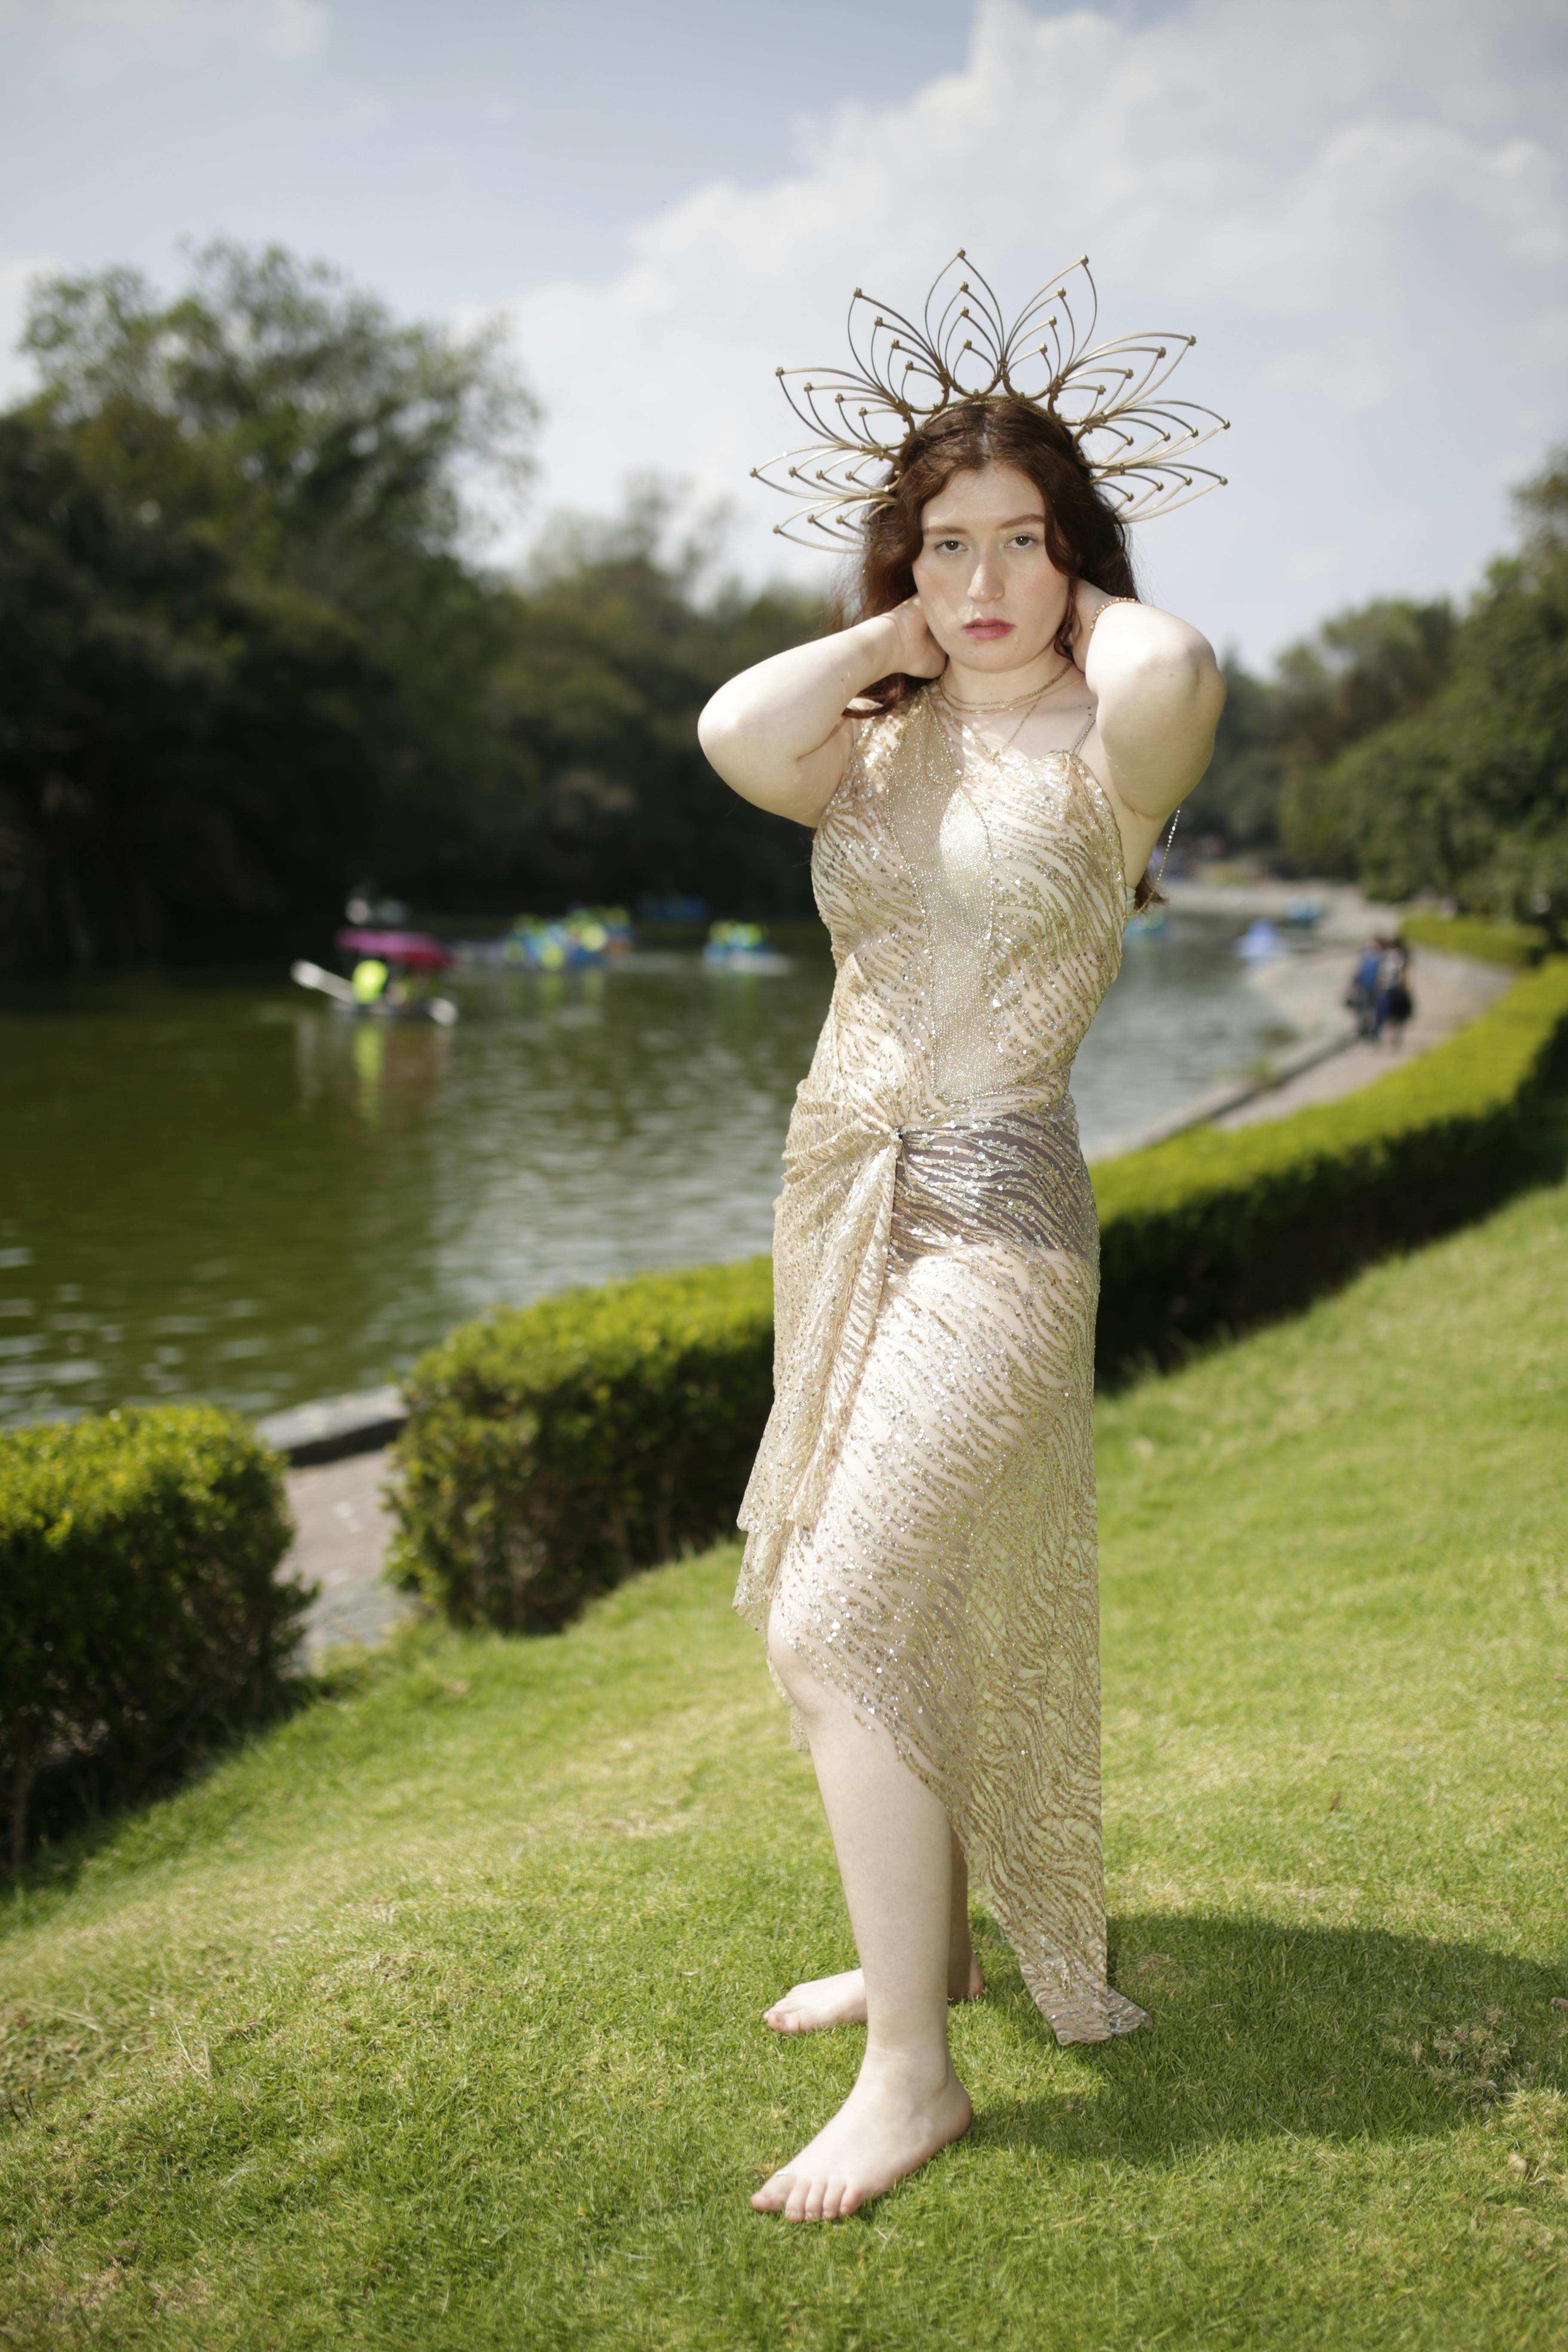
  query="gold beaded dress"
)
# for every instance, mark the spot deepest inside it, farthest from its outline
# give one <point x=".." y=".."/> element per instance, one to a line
<point x="920" y="1517"/>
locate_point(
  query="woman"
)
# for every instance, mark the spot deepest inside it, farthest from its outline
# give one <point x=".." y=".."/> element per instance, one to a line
<point x="983" y="755"/>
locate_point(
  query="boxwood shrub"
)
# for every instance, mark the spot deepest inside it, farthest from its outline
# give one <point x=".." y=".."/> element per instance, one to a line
<point x="1217" y="1230"/>
<point x="552" y="1449"/>
<point x="140" y="1608"/>
<point x="1520" y="944"/>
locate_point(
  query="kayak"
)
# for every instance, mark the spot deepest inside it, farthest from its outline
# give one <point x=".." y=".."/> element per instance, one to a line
<point x="439" y="1009"/>
<point x="341" y="995"/>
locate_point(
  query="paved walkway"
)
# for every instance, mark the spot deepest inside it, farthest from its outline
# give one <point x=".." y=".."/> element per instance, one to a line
<point x="1447" y="991"/>
<point x="343" y="1530"/>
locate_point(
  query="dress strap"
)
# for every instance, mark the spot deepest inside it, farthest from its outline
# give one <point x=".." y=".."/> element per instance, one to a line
<point x="1084" y="731"/>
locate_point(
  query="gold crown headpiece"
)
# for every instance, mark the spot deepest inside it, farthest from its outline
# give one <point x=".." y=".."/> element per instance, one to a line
<point x="1105" y="394"/>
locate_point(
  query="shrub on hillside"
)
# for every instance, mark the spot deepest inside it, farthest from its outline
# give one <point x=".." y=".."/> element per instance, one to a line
<point x="553" y="1449"/>
<point x="140" y="1608"/>
<point x="1521" y="945"/>
<point x="1215" y="1231"/>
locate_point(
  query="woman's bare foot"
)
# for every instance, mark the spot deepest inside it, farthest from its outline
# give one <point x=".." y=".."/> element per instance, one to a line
<point x="841" y="2000"/>
<point x="894" y="2120"/>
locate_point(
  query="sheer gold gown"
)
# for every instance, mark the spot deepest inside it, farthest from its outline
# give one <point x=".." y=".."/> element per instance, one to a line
<point x="921" y="1517"/>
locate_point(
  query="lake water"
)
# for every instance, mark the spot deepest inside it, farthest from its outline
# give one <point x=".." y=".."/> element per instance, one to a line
<point x="221" y="1190"/>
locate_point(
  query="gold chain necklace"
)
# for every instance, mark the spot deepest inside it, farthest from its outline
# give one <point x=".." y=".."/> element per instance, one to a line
<point x="1016" y="701"/>
<point x="1031" y="703"/>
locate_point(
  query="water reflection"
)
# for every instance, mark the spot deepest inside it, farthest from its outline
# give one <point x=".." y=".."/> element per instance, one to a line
<point x="223" y="1191"/>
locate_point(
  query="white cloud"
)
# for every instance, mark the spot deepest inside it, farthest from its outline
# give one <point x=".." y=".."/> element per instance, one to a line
<point x="1359" y="206"/>
<point x="91" y="40"/>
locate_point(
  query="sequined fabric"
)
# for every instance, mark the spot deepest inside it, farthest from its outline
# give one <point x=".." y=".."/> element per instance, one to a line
<point x="920" y="1517"/>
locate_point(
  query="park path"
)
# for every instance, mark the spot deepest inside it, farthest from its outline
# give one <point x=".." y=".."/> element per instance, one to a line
<point x="344" y="1524"/>
<point x="342" y="1528"/>
<point x="1448" y="992"/>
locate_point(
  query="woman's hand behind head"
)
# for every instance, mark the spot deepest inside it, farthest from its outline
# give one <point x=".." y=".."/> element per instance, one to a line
<point x="920" y="656"/>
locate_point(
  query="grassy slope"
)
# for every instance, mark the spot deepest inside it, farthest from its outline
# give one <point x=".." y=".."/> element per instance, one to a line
<point x="432" y="2019"/>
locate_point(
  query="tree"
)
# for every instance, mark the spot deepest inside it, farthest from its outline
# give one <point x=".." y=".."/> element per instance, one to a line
<point x="600" y="790"/>
<point x="187" y="759"/>
<point x="1467" y="797"/>
<point x="268" y="643"/>
<point x="315" y="435"/>
<point x="1278" y="738"/>
<point x="1239" y="798"/>
<point x="324" y="445"/>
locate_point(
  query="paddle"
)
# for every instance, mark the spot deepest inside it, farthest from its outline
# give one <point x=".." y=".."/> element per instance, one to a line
<point x="439" y="1009"/>
<point x="311" y="975"/>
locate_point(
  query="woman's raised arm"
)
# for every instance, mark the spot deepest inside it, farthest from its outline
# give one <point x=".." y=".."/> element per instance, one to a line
<point x="780" y="734"/>
<point x="1159" y="693"/>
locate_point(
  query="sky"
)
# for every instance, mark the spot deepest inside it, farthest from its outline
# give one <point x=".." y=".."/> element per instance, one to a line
<point x="1359" y="206"/>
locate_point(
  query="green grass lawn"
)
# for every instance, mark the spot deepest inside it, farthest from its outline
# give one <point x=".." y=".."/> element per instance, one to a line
<point x="433" y="2019"/>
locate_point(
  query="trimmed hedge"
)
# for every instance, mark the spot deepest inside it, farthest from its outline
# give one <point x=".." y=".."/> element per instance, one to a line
<point x="1521" y="945"/>
<point x="1214" y="1231"/>
<point x="140" y="1610"/>
<point x="553" y="1449"/>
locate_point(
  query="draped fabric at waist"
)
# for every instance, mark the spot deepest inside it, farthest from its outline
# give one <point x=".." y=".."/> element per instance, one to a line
<point x="861" y="1195"/>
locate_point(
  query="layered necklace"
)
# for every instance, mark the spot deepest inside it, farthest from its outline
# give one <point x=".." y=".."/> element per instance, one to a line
<point x="1027" y="703"/>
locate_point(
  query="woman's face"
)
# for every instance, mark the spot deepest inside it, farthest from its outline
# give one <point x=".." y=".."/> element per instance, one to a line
<point x="991" y="597"/>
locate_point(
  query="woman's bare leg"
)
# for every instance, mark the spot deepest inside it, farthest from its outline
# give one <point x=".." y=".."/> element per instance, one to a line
<point x="895" y="1856"/>
<point x="841" y="2000"/>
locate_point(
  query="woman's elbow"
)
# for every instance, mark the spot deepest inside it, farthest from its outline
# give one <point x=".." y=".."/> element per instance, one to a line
<point x="1208" y="688"/>
<point x="1183" y="675"/>
<point x="717" y="731"/>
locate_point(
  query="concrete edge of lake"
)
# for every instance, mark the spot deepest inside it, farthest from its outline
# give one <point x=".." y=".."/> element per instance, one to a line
<point x="1231" y="1096"/>
<point x="332" y="1427"/>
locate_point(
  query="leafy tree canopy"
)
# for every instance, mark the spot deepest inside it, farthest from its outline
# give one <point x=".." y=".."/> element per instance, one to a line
<point x="252" y="656"/>
<point x="1467" y="796"/>
<point x="188" y="759"/>
<point x="617" y="637"/>
<point x="1419" y="749"/>
<point x="287" y="408"/>
<point x="1362" y="669"/>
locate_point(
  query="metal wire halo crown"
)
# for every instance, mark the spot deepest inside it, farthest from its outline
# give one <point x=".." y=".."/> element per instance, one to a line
<point x="1135" y="444"/>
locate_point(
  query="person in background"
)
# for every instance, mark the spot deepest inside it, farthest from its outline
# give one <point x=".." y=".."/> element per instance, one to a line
<point x="1391" y="1001"/>
<point x="1361" y="998"/>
